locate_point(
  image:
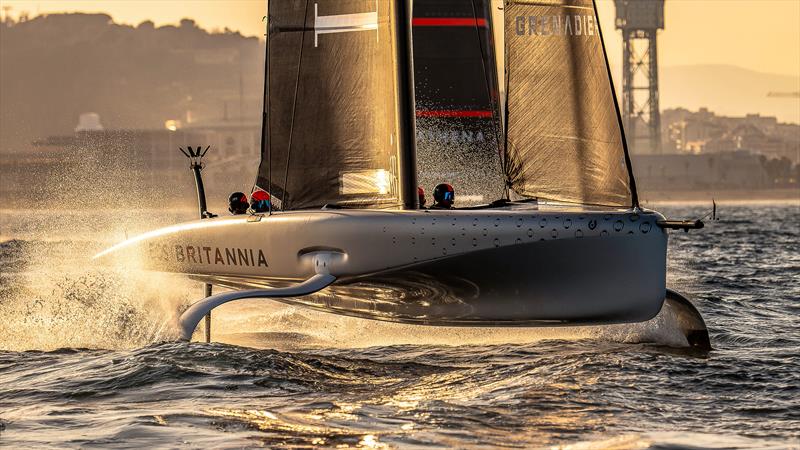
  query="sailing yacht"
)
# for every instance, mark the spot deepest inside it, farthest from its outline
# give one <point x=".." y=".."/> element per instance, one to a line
<point x="556" y="235"/>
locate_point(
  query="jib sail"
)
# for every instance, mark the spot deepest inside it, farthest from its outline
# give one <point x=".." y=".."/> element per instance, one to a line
<point x="564" y="141"/>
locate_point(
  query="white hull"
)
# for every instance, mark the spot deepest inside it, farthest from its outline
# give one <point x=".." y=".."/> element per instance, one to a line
<point x="502" y="266"/>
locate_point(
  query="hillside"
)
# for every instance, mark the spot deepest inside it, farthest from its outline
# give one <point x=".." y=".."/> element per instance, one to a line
<point x="729" y="90"/>
<point x="54" y="67"/>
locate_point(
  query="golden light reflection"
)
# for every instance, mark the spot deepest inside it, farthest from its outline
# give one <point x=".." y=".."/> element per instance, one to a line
<point x="298" y="425"/>
<point x="172" y="125"/>
<point x="456" y="388"/>
<point x="371" y="441"/>
<point x="342" y="411"/>
<point x="173" y="229"/>
<point x="160" y="420"/>
<point x="268" y="421"/>
<point x="629" y="442"/>
<point x="459" y="389"/>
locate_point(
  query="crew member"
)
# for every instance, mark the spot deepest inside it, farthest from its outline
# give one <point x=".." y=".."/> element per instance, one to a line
<point x="421" y="195"/>
<point x="237" y="203"/>
<point x="259" y="201"/>
<point x="443" y="196"/>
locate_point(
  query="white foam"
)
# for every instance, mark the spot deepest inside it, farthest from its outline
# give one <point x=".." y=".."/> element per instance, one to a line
<point x="268" y="324"/>
<point x="53" y="297"/>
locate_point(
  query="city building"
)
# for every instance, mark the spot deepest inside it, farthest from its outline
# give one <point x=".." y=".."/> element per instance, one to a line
<point x="705" y="132"/>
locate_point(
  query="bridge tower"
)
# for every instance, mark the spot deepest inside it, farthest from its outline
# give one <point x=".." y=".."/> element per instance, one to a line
<point x="639" y="20"/>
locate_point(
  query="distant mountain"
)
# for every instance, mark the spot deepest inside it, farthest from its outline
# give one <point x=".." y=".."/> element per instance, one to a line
<point x="57" y="66"/>
<point x="729" y="90"/>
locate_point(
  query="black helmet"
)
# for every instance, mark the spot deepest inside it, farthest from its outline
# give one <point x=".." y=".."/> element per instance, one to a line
<point x="237" y="203"/>
<point x="444" y="195"/>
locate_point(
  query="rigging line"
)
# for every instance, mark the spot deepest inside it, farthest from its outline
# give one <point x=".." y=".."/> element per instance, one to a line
<point x="485" y="73"/>
<point x="263" y="99"/>
<point x="269" y="110"/>
<point x="266" y="143"/>
<point x="294" y="109"/>
<point x="507" y="73"/>
<point x="631" y="179"/>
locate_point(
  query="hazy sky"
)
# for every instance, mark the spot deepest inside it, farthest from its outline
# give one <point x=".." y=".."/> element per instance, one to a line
<point x="761" y="35"/>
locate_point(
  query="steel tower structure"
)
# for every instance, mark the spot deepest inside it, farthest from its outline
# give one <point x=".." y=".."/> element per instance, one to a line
<point x="639" y="20"/>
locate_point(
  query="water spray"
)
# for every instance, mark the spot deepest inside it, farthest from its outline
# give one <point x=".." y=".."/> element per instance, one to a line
<point x="195" y="156"/>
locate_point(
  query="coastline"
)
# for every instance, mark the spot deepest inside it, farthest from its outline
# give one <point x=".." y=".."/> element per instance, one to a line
<point x="647" y="198"/>
<point x="720" y="196"/>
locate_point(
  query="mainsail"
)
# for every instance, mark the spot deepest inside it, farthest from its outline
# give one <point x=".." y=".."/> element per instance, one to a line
<point x="564" y="141"/>
<point x="338" y="126"/>
<point x="455" y="79"/>
<point x="332" y="104"/>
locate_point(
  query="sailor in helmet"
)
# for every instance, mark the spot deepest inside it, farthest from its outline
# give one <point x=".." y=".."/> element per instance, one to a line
<point x="259" y="201"/>
<point x="444" y="196"/>
<point x="421" y="195"/>
<point x="237" y="203"/>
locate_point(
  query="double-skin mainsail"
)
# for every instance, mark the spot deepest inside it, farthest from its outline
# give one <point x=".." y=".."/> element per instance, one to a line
<point x="338" y="125"/>
<point x="338" y="129"/>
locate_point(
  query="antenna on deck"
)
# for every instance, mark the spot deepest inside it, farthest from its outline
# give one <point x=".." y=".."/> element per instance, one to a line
<point x="195" y="156"/>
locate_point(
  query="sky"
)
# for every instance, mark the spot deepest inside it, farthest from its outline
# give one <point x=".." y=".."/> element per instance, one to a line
<point x="760" y="35"/>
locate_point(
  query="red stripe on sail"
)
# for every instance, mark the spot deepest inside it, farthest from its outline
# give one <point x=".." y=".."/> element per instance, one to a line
<point x="454" y="113"/>
<point x="448" y="22"/>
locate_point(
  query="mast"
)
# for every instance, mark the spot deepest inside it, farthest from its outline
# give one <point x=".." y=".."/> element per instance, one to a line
<point x="265" y="108"/>
<point x="406" y="139"/>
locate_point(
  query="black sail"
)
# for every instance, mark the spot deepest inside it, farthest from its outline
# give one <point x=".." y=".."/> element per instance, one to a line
<point x="455" y="75"/>
<point x="332" y="104"/>
<point x="564" y="140"/>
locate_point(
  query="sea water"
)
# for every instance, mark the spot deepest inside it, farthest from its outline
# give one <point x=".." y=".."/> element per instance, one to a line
<point x="87" y="357"/>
